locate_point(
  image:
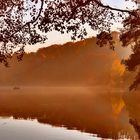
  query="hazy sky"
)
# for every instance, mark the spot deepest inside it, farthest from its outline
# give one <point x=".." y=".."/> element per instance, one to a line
<point x="57" y="38"/>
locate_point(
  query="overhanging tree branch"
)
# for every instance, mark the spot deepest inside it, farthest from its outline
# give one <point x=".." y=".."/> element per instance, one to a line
<point x="112" y="8"/>
<point x="99" y="3"/>
<point x="80" y="4"/>
<point x="32" y="21"/>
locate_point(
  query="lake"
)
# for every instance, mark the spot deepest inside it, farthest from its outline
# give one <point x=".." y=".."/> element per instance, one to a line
<point x="68" y="113"/>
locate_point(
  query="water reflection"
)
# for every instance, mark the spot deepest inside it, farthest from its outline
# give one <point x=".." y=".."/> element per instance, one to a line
<point x="133" y="106"/>
<point x="11" y="129"/>
<point x="91" y="110"/>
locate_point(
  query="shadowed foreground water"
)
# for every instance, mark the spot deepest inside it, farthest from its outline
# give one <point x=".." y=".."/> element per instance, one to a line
<point x="70" y="113"/>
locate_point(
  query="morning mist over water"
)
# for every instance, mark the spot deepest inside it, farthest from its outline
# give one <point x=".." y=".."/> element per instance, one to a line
<point x="75" y="91"/>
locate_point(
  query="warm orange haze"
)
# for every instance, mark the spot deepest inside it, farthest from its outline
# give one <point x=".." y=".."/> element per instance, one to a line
<point x="77" y="86"/>
<point x="69" y="69"/>
<point x="82" y="63"/>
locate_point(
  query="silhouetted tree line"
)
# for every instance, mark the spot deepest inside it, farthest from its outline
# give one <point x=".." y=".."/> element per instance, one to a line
<point x="24" y="22"/>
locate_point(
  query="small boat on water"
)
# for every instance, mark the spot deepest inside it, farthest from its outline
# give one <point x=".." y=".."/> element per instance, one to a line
<point x="16" y="88"/>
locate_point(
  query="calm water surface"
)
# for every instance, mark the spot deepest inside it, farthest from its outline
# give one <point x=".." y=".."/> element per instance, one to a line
<point x="11" y="129"/>
<point x="68" y="113"/>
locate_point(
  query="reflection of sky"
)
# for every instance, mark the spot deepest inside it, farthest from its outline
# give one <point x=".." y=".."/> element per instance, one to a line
<point x="57" y="38"/>
<point x="31" y="130"/>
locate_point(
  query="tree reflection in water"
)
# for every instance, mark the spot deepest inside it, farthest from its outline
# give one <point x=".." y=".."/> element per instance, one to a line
<point x="90" y="110"/>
